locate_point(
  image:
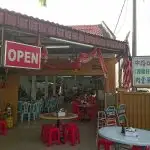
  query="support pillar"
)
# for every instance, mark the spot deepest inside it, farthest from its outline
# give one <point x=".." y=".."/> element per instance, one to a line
<point x="2" y="46"/>
<point x="106" y="85"/>
<point x="119" y="74"/>
<point x="134" y="32"/>
<point x="54" y="85"/>
<point x="106" y="91"/>
<point x="46" y="87"/>
<point x="33" y="88"/>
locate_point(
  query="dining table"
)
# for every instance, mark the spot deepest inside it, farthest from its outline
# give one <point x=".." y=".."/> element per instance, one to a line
<point x="54" y="116"/>
<point x="114" y="134"/>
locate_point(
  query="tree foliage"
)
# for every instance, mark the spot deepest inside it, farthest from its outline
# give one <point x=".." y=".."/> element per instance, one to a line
<point x="43" y="2"/>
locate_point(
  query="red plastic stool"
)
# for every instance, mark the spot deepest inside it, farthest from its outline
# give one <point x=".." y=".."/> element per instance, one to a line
<point x="3" y="127"/>
<point x="106" y="143"/>
<point x="72" y="134"/>
<point x="44" y="131"/>
<point x="53" y="136"/>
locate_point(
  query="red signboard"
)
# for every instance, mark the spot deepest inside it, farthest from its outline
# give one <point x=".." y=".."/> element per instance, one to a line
<point x="20" y="55"/>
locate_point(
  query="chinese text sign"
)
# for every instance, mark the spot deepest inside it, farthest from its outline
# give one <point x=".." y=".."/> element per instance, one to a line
<point x="141" y="71"/>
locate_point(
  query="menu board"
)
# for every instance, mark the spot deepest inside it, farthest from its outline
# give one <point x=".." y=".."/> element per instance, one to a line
<point x="141" y="71"/>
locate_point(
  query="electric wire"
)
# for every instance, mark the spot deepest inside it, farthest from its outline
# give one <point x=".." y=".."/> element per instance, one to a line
<point x="120" y="15"/>
<point x="125" y="17"/>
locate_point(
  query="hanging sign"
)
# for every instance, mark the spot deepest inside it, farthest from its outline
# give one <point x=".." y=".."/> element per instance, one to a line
<point x="18" y="55"/>
<point x="141" y="71"/>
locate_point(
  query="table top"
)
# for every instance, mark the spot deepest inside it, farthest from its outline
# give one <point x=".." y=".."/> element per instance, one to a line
<point x="51" y="116"/>
<point x="114" y="134"/>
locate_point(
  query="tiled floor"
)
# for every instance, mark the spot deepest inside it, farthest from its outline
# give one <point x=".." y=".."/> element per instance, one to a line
<point x="27" y="137"/>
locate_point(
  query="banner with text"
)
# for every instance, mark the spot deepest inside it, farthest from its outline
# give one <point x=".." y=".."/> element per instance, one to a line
<point x="141" y="71"/>
<point x="19" y="55"/>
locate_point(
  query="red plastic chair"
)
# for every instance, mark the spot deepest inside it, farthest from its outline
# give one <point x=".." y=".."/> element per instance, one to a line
<point x="53" y="136"/>
<point x="92" y="112"/>
<point x="71" y="133"/>
<point x="80" y="113"/>
<point x="74" y="106"/>
<point x="111" y="122"/>
<point x="106" y="143"/>
<point x="3" y="127"/>
<point x="92" y="100"/>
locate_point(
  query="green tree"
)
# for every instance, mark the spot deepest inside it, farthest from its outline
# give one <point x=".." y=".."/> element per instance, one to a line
<point x="43" y="2"/>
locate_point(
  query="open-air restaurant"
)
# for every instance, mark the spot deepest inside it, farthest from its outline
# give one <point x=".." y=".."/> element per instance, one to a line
<point x="58" y="88"/>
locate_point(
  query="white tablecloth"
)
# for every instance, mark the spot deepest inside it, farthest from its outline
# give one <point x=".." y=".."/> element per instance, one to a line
<point x="114" y="134"/>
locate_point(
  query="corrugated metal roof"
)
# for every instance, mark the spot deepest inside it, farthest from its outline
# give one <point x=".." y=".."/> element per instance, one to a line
<point x="92" y="29"/>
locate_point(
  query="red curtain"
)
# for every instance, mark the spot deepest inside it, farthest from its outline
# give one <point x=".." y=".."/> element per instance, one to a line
<point x="127" y="68"/>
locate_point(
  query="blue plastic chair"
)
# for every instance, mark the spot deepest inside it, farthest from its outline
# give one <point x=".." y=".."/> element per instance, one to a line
<point x="41" y="105"/>
<point x="26" y="110"/>
<point x="34" y="110"/>
<point x="111" y="111"/>
<point x="121" y="109"/>
<point x="46" y="105"/>
<point x="52" y="105"/>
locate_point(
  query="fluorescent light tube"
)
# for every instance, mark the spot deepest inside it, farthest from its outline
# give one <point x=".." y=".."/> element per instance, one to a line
<point x="55" y="47"/>
<point x="71" y="42"/>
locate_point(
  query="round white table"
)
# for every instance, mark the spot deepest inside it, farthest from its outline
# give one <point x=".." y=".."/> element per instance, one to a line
<point x="114" y="134"/>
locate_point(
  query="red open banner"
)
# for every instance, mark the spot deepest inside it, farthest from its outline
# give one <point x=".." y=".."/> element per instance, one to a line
<point x="19" y="55"/>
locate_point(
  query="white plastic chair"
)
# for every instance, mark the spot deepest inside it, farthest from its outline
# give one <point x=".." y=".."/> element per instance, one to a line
<point x="101" y="122"/>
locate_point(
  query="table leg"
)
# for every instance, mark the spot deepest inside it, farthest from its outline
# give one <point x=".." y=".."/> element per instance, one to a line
<point x="58" y="123"/>
<point x="58" y="126"/>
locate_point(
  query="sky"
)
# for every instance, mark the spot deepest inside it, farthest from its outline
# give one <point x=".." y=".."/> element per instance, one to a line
<point x="86" y="12"/>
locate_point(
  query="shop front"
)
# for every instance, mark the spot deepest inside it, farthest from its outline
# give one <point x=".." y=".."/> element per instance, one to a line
<point x="34" y="47"/>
